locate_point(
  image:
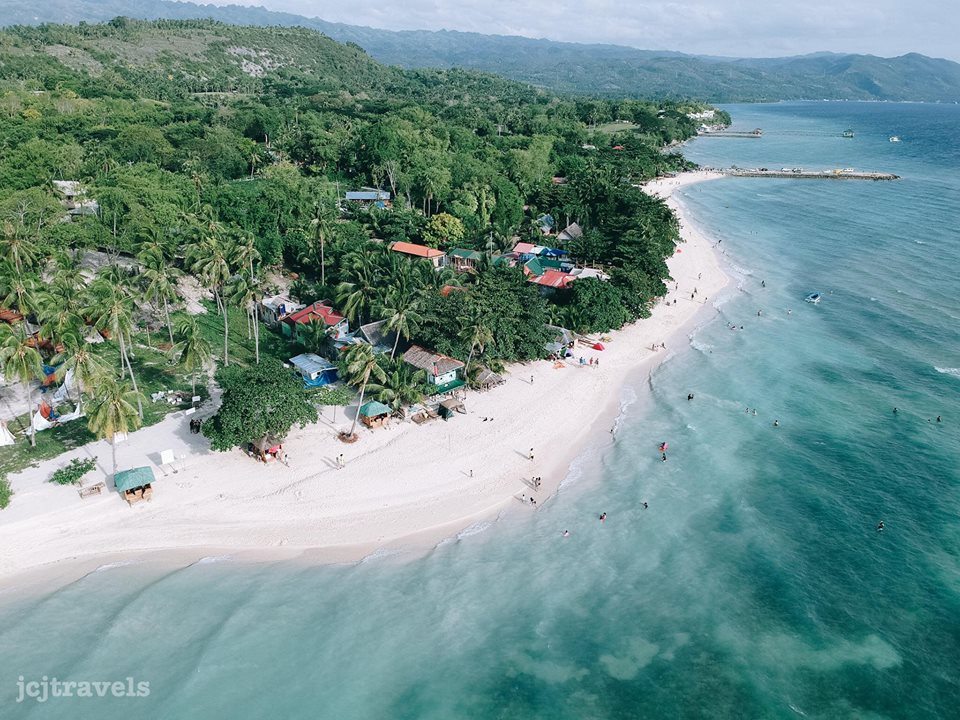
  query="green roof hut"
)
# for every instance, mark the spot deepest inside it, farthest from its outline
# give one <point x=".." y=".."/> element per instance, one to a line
<point x="374" y="414"/>
<point x="135" y="484"/>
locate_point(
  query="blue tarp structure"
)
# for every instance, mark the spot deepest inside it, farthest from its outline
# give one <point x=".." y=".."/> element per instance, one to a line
<point x="315" y="370"/>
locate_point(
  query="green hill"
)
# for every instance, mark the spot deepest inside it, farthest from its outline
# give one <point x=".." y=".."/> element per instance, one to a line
<point x="607" y="70"/>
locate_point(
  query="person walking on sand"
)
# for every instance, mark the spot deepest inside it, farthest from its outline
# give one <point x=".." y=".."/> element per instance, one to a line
<point x="531" y="379"/>
<point x="530" y="454"/>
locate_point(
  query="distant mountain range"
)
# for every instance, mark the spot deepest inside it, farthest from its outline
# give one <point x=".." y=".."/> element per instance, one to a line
<point x="608" y="70"/>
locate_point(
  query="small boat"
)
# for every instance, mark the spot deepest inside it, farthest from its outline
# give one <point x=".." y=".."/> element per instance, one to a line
<point x="894" y="138"/>
<point x="848" y="133"/>
<point x="813" y="298"/>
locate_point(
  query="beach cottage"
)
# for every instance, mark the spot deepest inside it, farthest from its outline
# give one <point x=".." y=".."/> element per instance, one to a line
<point x="374" y="414"/>
<point x="378" y="337"/>
<point x="294" y="324"/>
<point x="464" y="260"/>
<point x="435" y="257"/>
<point x="370" y="198"/>
<point x="275" y="308"/>
<point x="135" y="484"/>
<point x="443" y="373"/>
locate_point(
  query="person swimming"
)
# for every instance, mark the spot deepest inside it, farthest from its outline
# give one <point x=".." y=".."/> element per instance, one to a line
<point x="880" y="526"/>
<point x="776" y="423"/>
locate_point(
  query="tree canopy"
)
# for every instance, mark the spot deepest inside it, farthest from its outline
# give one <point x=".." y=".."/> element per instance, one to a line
<point x="264" y="399"/>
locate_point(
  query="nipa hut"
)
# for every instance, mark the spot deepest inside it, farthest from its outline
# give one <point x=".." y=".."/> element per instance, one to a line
<point x="374" y="414"/>
<point x="135" y="484"/>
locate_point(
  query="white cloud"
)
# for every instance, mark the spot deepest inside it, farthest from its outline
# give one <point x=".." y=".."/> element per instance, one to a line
<point x="744" y="28"/>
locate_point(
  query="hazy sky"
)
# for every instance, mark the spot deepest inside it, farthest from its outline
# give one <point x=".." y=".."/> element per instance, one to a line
<point x="743" y="28"/>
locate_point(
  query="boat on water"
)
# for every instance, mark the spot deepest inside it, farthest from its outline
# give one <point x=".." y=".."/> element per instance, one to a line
<point x="813" y="298"/>
<point x="894" y="138"/>
<point x="848" y="133"/>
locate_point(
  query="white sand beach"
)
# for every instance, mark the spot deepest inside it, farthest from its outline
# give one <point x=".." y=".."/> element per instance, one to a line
<point x="398" y="481"/>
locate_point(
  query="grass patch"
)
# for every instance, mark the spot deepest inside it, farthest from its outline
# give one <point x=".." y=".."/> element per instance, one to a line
<point x="242" y="351"/>
<point x="615" y="127"/>
<point x="6" y="492"/>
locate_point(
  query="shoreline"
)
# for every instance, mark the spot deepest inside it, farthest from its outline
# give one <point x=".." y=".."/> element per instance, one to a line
<point x="400" y="491"/>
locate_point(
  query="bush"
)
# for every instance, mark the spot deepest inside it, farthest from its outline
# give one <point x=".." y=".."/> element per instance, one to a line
<point x="72" y="473"/>
<point x="5" y="492"/>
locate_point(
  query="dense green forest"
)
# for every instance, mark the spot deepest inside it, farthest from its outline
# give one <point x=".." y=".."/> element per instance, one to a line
<point x="609" y="70"/>
<point x="221" y="154"/>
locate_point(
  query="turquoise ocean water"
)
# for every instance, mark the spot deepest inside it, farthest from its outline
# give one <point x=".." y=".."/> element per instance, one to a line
<point x="754" y="586"/>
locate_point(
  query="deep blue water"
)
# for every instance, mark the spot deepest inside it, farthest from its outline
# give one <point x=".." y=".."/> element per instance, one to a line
<point x="754" y="586"/>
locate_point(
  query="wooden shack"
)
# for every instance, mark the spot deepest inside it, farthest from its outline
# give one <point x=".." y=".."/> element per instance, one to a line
<point x="374" y="414"/>
<point x="135" y="484"/>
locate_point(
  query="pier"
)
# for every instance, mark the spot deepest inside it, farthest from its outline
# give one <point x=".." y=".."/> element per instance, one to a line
<point x="758" y="133"/>
<point x="801" y="174"/>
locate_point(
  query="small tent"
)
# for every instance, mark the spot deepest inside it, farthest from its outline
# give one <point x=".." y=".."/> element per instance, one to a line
<point x="450" y="406"/>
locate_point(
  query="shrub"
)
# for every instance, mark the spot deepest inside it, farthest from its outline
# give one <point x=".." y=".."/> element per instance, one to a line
<point x="71" y="474"/>
<point x="5" y="492"/>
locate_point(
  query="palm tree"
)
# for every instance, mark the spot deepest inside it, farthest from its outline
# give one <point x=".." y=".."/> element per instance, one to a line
<point x="19" y="290"/>
<point x="16" y="249"/>
<point x="111" y="309"/>
<point x="477" y="334"/>
<point x="193" y="350"/>
<point x="112" y="412"/>
<point x="210" y="265"/>
<point x="316" y="337"/>
<point x="158" y="273"/>
<point x="400" y="312"/>
<point x="321" y="231"/>
<point x="244" y="292"/>
<point x="21" y="361"/>
<point x="77" y="355"/>
<point x="403" y="386"/>
<point x="361" y="363"/>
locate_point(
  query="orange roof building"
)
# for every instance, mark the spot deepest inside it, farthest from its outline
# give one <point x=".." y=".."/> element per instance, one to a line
<point x="436" y="257"/>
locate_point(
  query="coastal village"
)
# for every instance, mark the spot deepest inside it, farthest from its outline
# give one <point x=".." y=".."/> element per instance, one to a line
<point x="328" y="488"/>
<point x="445" y="377"/>
<point x="268" y="315"/>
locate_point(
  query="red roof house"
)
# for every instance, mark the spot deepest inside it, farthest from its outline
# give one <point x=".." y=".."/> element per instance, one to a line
<point x="318" y="312"/>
